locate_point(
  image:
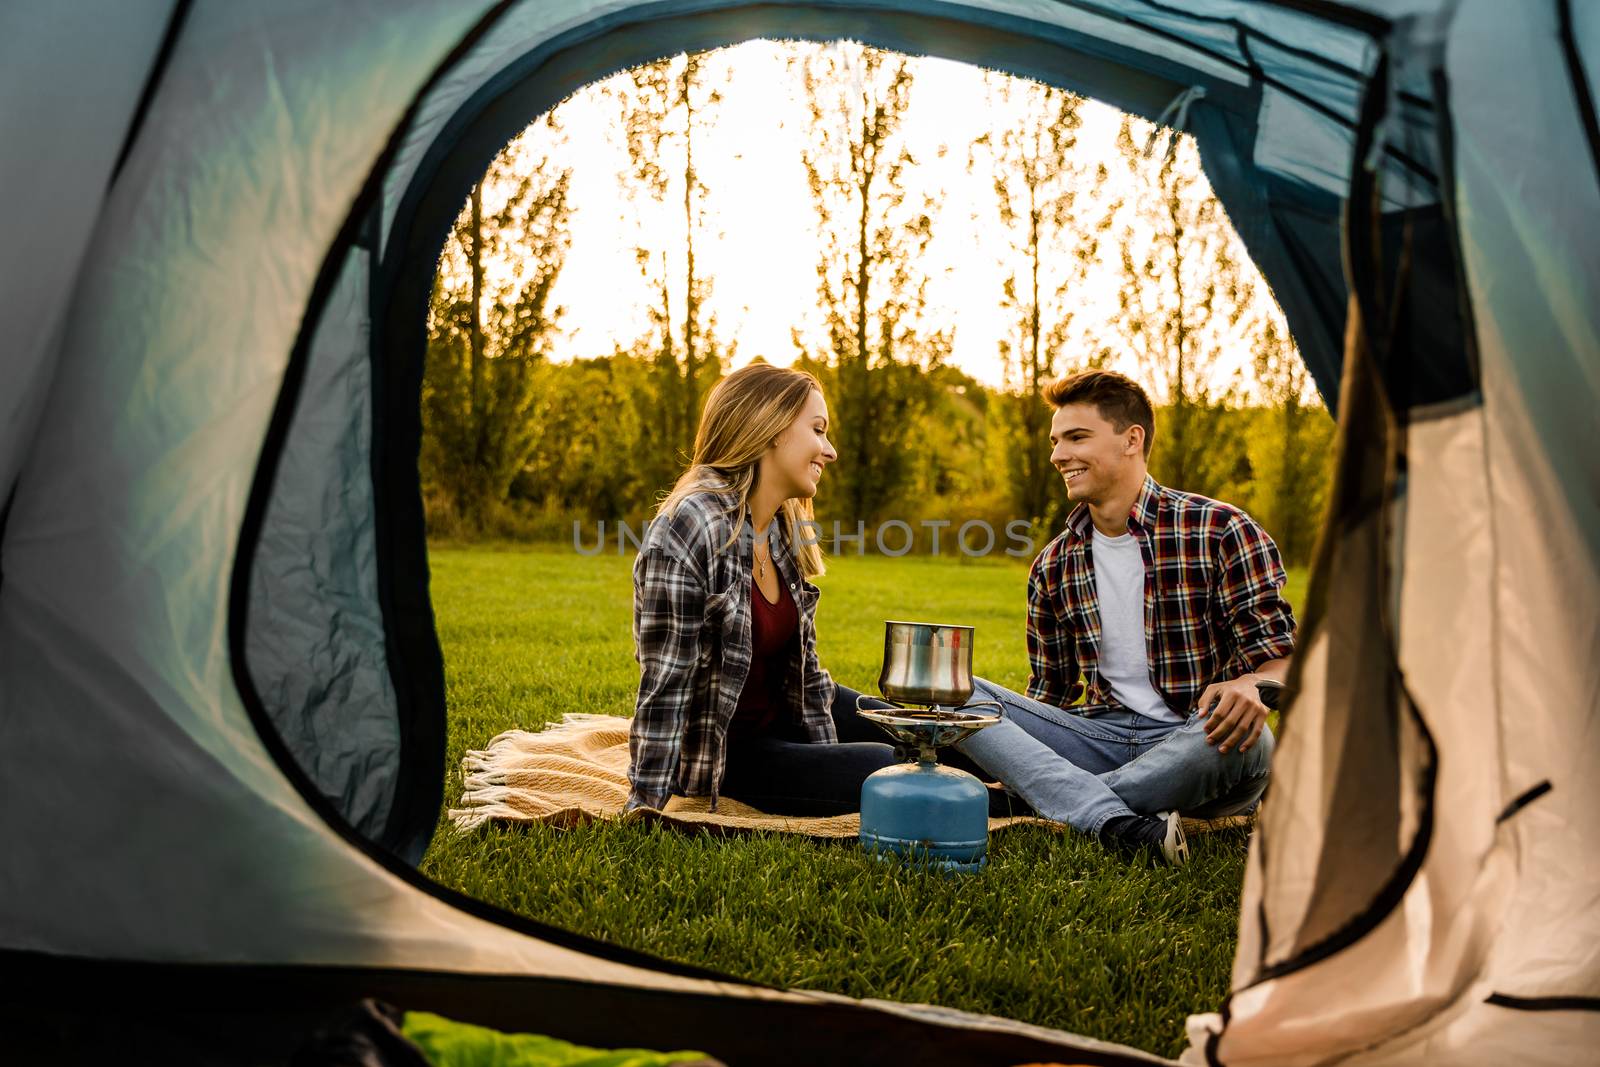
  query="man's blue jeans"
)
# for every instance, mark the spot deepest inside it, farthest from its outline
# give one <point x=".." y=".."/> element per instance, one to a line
<point x="1083" y="771"/>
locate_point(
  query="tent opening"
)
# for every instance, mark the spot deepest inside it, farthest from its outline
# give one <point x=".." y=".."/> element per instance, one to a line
<point x="670" y="223"/>
<point x="366" y="723"/>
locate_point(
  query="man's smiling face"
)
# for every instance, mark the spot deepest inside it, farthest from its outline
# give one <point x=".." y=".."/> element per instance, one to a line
<point x="1093" y="458"/>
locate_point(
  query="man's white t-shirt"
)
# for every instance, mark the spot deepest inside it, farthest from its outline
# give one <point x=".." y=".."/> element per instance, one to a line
<point x="1124" y="659"/>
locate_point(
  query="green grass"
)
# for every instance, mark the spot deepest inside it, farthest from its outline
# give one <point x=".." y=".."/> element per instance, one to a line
<point x="1054" y="932"/>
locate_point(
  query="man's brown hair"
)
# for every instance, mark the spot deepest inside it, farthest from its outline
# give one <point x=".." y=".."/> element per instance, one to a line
<point x="1118" y="398"/>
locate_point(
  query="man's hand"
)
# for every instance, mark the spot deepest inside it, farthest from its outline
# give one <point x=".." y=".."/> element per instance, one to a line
<point x="1237" y="718"/>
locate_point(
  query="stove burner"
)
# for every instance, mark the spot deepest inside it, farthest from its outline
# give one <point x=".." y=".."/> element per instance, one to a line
<point x="930" y="727"/>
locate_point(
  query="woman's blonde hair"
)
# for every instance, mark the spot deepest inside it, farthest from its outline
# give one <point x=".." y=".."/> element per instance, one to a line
<point x="744" y="414"/>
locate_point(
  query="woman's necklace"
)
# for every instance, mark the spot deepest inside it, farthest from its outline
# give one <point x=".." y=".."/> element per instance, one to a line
<point x="761" y="565"/>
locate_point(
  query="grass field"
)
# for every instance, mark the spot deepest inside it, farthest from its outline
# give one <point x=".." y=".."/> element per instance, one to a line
<point x="1054" y="932"/>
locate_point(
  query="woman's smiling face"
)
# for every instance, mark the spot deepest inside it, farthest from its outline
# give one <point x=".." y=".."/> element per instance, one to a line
<point x="793" y="465"/>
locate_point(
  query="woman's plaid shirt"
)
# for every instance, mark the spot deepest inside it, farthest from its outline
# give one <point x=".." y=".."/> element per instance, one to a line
<point x="1213" y="602"/>
<point x="691" y="631"/>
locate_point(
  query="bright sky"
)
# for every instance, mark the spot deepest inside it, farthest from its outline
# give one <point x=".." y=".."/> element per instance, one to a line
<point x="761" y="250"/>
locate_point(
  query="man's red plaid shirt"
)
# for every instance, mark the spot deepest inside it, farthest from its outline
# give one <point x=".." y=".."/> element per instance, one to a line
<point x="1213" y="602"/>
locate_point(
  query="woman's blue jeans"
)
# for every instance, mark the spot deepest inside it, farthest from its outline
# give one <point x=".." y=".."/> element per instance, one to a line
<point x="1083" y="771"/>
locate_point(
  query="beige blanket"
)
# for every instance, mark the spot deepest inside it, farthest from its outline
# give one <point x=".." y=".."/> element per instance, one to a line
<point x="577" y="770"/>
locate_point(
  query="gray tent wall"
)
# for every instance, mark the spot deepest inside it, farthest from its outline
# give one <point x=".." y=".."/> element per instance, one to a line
<point x="183" y="409"/>
<point x="61" y="179"/>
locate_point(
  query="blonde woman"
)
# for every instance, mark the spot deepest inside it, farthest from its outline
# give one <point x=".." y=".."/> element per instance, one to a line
<point x="732" y="699"/>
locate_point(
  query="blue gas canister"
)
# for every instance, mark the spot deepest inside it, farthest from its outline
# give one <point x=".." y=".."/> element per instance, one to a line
<point x="920" y="810"/>
<point x="924" y="811"/>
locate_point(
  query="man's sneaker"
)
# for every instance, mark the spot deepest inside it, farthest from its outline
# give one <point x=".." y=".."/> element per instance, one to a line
<point x="1155" y="835"/>
<point x="1175" y="846"/>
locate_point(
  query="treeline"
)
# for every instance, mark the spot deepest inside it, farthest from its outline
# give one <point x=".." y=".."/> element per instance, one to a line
<point x="520" y="446"/>
<point x="593" y="461"/>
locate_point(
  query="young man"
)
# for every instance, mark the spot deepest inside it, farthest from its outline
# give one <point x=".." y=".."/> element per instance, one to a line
<point x="1154" y="619"/>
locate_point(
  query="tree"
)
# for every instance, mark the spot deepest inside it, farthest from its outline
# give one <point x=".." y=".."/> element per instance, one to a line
<point x="662" y="108"/>
<point x="1041" y="189"/>
<point x="955" y="478"/>
<point x="871" y="290"/>
<point x="491" y="327"/>
<point x="1290" y="449"/>
<point x="588" y="462"/>
<point x="1186" y="289"/>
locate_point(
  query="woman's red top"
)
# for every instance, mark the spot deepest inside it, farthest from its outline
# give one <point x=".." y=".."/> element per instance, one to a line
<point x="772" y="628"/>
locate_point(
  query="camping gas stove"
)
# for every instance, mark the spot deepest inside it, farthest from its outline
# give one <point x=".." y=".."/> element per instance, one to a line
<point x="920" y="809"/>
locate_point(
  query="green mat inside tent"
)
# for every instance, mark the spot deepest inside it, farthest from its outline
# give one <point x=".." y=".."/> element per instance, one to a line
<point x="447" y="1043"/>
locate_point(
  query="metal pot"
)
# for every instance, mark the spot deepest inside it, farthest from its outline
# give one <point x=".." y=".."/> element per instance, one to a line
<point x="926" y="663"/>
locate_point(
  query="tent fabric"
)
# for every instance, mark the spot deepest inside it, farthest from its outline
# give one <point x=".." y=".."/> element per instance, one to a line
<point x="214" y="587"/>
<point x="1542" y="440"/>
<point x="1481" y="581"/>
<point x="60" y="178"/>
<point x="108" y="1007"/>
<point x="327" y="680"/>
<point x="113" y="643"/>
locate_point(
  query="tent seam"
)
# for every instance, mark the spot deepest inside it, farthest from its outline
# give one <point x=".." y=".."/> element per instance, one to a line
<point x="1523" y="800"/>
<point x="1543" y="1003"/>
